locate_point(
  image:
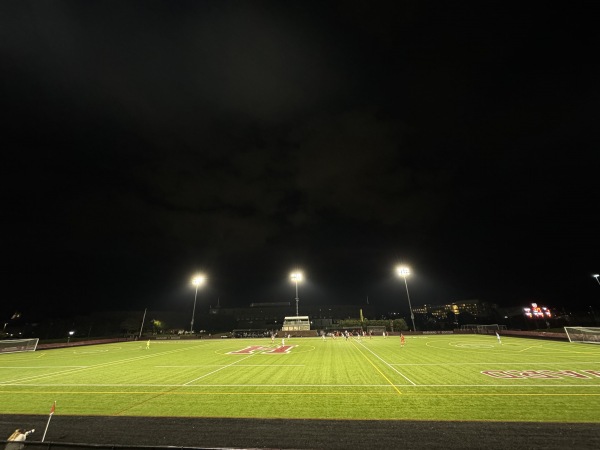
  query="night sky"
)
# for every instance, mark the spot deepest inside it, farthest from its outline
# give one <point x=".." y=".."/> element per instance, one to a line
<point x="145" y="141"/>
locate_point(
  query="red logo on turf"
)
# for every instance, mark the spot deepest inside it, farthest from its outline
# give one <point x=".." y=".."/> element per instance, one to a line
<point x="512" y="374"/>
<point x="255" y="349"/>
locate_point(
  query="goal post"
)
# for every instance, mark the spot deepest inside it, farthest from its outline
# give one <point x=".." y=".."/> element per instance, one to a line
<point x="18" y="345"/>
<point x="588" y="335"/>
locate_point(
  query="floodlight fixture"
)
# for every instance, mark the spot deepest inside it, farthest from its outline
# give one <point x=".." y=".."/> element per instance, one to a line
<point x="404" y="271"/>
<point x="197" y="280"/>
<point x="296" y="277"/>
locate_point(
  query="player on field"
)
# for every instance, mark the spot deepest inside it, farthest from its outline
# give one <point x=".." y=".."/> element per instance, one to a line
<point x="401" y="340"/>
<point x="498" y="337"/>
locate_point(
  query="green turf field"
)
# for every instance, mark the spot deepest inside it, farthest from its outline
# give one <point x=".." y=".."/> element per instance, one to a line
<point x="437" y="377"/>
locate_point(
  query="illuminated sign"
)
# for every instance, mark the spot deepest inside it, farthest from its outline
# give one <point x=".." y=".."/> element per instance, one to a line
<point x="537" y="312"/>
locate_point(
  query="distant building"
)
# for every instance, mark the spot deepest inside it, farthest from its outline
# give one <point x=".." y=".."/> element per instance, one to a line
<point x="474" y="308"/>
<point x="270" y="316"/>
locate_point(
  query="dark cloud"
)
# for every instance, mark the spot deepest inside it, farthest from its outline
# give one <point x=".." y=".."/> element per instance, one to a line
<point x="358" y="166"/>
<point x="146" y="140"/>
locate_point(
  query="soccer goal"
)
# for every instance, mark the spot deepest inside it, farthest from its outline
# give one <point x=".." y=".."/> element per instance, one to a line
<point x="489" y="329"/>
<point x="376" y="329"/>
<point x="18" y="345"/>
<point x="590" y="335"/>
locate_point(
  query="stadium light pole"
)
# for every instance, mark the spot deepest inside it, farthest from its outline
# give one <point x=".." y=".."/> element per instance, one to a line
<point x="296" y="277"/>
<point x="196" y="281"/>
<point x="404" y="271"/>
<point x="596" y="275"/>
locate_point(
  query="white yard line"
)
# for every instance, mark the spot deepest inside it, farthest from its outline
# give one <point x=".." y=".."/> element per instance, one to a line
<point x="388" y="364"/>
<point x="239" y="365"/>
<point x="499" y="364"/>
<point x="112" y="363"/>
<point x="218" y="370"/>
<point x="41" y="367"/>
<point x="533" y="346"/>
<point x="554" y="386"/>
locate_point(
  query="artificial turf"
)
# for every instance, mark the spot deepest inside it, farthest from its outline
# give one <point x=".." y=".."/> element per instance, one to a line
<point x="431" y="378"/>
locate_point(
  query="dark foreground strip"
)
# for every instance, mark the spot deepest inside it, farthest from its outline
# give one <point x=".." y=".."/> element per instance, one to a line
<point x="209" y="433"/>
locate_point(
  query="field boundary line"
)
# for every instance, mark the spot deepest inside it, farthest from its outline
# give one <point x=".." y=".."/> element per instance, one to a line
<point x="42" y="367"/>
<point x="497" y="363"/>
<point x="527" y="348"/>
<point x="96" y="366"/>
<point x="377" y="369"/>
<point x="436" y="394"/>
<point x="389" y="365"/>
<point x="309" y="385"/>
<point x="240" y="365"/>
<point x="328" y="386"/>
<point x="173" y="390"/>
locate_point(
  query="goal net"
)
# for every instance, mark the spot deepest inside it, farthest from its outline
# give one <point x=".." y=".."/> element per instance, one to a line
<point x="488" y="329"/>
<point x="583" y="334"/>
<point x="18" y="345"/>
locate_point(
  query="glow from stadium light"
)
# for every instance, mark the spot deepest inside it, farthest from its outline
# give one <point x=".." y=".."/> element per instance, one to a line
<point x="196" y="281"/>
<point x="296" y="277"/>
<point x="403" y="271"/>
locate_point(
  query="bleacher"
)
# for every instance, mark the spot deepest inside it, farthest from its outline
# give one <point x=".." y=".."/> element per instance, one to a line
<point x="295" y="323"/>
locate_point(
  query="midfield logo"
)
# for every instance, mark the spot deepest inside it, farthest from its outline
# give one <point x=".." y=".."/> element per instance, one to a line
<point x="255" y="349"/>
<point x="542" y="373"/>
